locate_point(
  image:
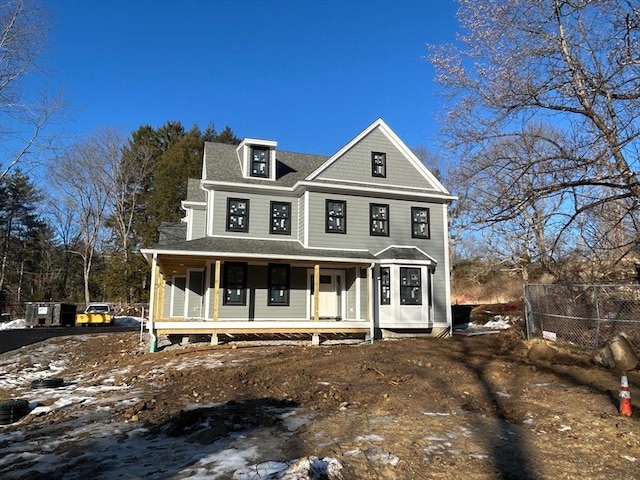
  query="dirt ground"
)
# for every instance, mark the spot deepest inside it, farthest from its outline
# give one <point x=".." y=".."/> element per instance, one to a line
<point x="473" y="407"/>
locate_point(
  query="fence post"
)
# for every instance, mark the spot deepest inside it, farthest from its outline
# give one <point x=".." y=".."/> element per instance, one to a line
<point x="527" y="312"/>
<point x="598" y="319"/>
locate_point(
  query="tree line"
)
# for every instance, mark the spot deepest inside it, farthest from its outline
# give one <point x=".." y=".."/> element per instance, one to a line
<point x="77" y="236"/>
<point x="543" y="121"/>
<point x="540" y="142"/>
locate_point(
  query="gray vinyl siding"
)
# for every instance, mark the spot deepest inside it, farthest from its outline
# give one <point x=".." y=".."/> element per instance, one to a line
<point x="259" y="215"/>
<point x="300" y="217"/>
<point x="257" y="302"/>
<point x="358" y="237"/>
<point x="198" y="223"/>
<point x="357" y="221"/>
<point x="166" y="306"/>
<point x="355" y="165"/>
<point x="195" y="292"/>
<point x="350" y="287"/>
<point x="297" y="295"/>
<point x="364" y="299"/>
<point x="178" y="293"/>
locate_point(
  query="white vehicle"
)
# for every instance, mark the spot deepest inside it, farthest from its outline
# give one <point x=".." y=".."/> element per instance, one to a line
<point x="96" y="314"/>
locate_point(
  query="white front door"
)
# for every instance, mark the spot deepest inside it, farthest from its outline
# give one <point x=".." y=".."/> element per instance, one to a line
<point x="329" y="295"/>
<point x="327" y="298"/>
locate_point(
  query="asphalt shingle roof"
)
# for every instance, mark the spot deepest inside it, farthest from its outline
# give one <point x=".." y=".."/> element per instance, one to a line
<point x="194" y="192"/>
<point x="246" y="246"/>
<point x="402" y="253"/>
<point x="223" y="166"/>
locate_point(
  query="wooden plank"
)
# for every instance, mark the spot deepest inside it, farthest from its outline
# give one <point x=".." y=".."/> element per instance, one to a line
<point x="249" y="331"/>
<point x="216" y="291"/>
<point x="158" y="301"/>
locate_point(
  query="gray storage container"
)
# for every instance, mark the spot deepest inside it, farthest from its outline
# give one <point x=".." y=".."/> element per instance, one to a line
<point x="47" y="314"/>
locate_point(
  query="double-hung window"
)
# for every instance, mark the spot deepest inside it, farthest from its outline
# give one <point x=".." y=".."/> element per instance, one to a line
<point x="281" y="218"/>
<point x="420" y="222"/>
<point x="410" y="286"/>
<point x="385" y="286"/>
<point x="336" y="216"/>
<point x="279" y="284"/>
<point x="379" y="219"/>
<point x="237" y="215"/>
<point x="235" y="283"/>
<point x="260" y="162"/>
<point x="378" y="164"/>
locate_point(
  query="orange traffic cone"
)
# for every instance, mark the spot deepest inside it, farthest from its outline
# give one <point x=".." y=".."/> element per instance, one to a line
<point x="625" y="397"/>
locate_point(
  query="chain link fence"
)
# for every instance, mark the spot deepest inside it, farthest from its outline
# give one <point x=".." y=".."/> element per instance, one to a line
<point x="583" y="315"/>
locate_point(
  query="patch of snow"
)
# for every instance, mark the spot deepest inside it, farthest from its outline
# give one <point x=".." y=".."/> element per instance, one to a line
<point x="13" y="324"/>
<point x="369" y="438"/>
<point x="311" y="468"/>
<point x="479" y="456"/>
<point x="121" y="321"/>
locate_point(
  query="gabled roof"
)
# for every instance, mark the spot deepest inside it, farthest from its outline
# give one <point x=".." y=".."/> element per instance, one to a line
<point x="221" y="164"/>
<point x="380" y="125"/>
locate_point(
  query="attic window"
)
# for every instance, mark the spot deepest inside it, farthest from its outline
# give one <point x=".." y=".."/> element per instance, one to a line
<point x="378" y="164"/>
<point x="260" y="162"/>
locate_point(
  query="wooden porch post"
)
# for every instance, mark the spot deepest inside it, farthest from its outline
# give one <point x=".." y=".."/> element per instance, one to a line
<point x="216" y="291"/>
<point x="160" y="292"/>
<point x="158" y="300"/>
<point x="316" y="292"/>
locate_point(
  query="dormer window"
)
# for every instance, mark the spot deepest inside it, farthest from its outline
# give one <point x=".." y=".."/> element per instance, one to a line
<point x="257" y="158"/>
<point x="260" y="162"/>
<point x="378" y="164"/>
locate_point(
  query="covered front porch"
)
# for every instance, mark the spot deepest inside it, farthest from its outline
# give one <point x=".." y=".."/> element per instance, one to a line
<point x="224" y="296"/>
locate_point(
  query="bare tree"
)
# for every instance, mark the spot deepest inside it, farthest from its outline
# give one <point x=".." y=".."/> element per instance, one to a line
<point x="574" y="65"/>
<point x="126" y="175"/>
<point x="23" y="116"/>
<point x="82" y="180"/>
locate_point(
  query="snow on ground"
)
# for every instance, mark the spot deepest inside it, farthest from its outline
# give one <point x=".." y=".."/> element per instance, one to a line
<point x="13" y="324"/>
<point x="494" y="325"/>
<point x="118" y="321"/>
<point x="84" y="441"/>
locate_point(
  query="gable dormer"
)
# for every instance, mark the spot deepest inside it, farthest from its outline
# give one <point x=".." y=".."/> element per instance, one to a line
<point x="257" y="158"/>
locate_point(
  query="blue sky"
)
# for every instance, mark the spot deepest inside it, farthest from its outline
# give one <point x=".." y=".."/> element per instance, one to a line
<point x="308" y="74"/>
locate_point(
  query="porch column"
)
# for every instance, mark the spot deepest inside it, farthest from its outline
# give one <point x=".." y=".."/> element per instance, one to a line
<point x="371" y="308"/>
<point x="216" y="291"/>
<point x="316" y="292"/>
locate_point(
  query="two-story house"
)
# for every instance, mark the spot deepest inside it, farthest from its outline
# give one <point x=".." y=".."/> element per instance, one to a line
<point x="282" y="242"/>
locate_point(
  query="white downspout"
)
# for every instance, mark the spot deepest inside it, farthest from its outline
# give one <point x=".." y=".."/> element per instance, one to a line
<point x="370" y="310"/>
<point x="152" y="334"/>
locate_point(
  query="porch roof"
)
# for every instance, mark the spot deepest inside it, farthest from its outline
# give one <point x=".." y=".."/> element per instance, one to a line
<point x="404" y="253"/>
<point x="256" y="248"/>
